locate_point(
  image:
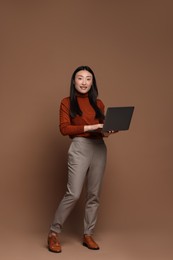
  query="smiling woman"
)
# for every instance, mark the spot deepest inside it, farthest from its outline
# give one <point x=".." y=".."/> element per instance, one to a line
<point x="79" y="114"/>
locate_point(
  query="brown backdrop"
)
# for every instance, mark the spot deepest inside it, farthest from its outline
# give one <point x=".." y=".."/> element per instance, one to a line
<point x="129" y="46"/>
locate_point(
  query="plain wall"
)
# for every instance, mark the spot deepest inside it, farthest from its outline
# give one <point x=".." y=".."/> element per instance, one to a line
<point x="128" y="44"/>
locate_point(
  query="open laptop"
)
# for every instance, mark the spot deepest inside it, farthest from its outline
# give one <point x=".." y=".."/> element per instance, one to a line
<point x="117" y="118"/>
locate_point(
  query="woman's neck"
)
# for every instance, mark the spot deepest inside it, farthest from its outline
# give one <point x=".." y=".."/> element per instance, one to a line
<point x="81" y="95"/>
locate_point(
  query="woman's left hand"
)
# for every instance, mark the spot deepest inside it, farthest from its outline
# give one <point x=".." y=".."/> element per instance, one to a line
<point x="108" y="133"/>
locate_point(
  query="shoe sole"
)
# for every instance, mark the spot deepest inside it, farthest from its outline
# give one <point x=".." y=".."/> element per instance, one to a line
<point x="54" y="251"/>
<point x="84" y="244"/>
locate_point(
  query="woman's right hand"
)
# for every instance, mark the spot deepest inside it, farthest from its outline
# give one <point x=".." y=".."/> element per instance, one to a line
<point x="93" y="127"/>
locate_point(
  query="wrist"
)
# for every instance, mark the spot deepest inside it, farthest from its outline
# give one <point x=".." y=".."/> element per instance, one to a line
<point x="87" y="128"/>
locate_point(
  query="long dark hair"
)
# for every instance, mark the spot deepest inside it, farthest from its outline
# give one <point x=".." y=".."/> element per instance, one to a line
<point x="92" y="95"/>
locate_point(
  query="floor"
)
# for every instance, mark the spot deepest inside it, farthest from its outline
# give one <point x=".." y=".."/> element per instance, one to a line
<point x="120" y="245"/>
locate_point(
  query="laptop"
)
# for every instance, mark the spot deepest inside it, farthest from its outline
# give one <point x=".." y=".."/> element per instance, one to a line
<point x="118" y="118"/>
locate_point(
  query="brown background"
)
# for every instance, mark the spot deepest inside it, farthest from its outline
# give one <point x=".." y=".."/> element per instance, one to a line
<point x="128" y="44"/>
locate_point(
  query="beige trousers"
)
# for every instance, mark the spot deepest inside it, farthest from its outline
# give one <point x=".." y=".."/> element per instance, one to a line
<point x="86" y="160"/>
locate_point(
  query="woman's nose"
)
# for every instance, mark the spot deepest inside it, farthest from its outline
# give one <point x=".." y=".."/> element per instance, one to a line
<point x="84" y="82"/>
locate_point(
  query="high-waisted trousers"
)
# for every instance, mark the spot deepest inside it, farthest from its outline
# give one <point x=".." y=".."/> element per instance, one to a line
<point x="86" y="160"/>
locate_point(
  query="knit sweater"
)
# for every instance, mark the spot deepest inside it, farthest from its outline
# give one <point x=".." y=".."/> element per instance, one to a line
<point x="75" y="126"/>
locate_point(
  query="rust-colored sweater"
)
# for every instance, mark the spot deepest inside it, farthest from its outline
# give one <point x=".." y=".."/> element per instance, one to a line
<point x="75" y="126"/>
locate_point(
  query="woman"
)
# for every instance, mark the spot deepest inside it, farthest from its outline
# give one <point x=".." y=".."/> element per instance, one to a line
<point x="81" y="117"/>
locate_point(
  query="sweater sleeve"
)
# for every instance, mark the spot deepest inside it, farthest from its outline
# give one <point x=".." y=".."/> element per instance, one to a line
<point x="66" y="127"/>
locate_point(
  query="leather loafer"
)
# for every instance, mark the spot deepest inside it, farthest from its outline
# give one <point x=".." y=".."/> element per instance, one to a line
<point x="89" y="242"/>
<point x="53" y="243"/>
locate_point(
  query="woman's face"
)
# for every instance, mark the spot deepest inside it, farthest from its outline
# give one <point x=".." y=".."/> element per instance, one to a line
<point x="83" y="81"/>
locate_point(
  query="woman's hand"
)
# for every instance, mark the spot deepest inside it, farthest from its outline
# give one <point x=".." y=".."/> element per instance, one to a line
<point x="93" y="127"/>
<point x="106" y="134"/>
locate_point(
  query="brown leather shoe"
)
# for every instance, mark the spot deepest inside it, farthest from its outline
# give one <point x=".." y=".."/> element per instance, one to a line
<point x="89" y="242"/>
<point x="53" y="243"/>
